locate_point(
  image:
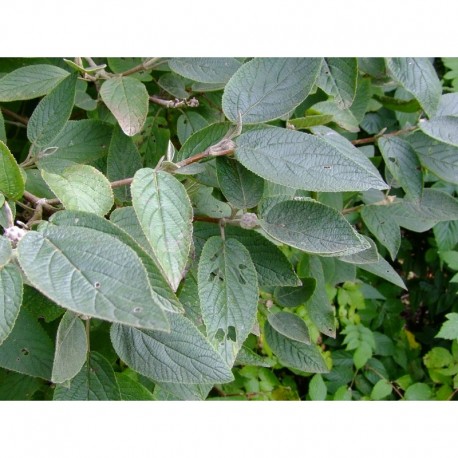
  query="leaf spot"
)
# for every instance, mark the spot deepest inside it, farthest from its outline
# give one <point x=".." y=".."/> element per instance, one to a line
<point x="97" y="285"/>
<point x="25" y="352"/>
<point x="137" y="309"/>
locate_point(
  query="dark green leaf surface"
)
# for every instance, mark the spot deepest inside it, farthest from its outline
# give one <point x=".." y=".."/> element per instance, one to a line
<point x="131" y="390"/>
<point x="292" y="296"/>
<point x="11" y="179"/>
<point x="290" y="326"/>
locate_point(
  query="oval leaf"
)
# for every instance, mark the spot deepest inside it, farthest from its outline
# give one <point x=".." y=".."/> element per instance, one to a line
<point x="165" y="215"/>
<point x="289" y="325"/>
<point x="11" y="179"/>
<point x="10" y="298"/>
<point x="443" y="128"/>
<point x="91" y="273"/>
<point x="127" y="99"/>
<point x="264" y="89"/>
<point x="182" y="355"/>
<point x="205" y="69"/>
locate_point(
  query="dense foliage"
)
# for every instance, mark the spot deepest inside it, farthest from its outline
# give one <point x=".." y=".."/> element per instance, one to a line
<point x="228" y="228"/>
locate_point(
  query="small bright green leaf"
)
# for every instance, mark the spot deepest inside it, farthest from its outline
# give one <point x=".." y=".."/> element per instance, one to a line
<point x="292" y="296"/>
<point x="165" y="215"/>
<point x="81" y="187"/>
<point x="317" y="388"/>
<point x="442" y="128"/>
<point x="384" y="270"/>
<point x="294" y="354"/>
<point x="362" y="354"/>
<point x="228" y="292"/>
<point x="381" y="390"/>
<point x="242" y="188"/>
<point x="449" y="329"/>
<point x="205" y="70"/>
<point x="11" y="179"/>
<point x="418" y="392"/>
<point x="290" y="326"/>
<point x="338" y="78"/>
<point x="189" y="123"/>
<point x="264" y="89"/>
<point x="312" y="227"/>
<point x="247" y="357"/>
<point x="91" y="273"/>
<point x="95" y="382"/>
<point x="342" y="394"/>
<point x="132" y="390"/>
<point x="127" y="99"/>
<point x="403" y="163"/>
<point x="451" y="258"/>
<point x="437" y="358"/>
<point x="182" y="355"/>
<point x="10" y="298"/>
<point x="310" y="121"/>
<point x="52" y="113"/>
<point x="71" y="348"/>
<point x="383" y="226"/>
<point x="28" y="348"/>
<point x="417" y="75"/>
<point x="122" y="162"/>
<point x="6" y="251"/>
<point x="303" y="161"/>
<point x="30" y="82"/>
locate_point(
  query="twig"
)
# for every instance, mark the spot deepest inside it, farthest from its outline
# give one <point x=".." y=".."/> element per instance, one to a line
<point x="22" y="119"/>
<point x="177" y="103"/>
<point x="149" y="64"/>
<point x="363" y="141"/>
<point x="45" y="204"/>
<point x="223" y="148"/>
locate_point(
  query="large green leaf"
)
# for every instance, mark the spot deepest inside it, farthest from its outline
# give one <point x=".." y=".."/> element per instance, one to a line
<point x="91" y="273"/>
<point x="95" y="382"/>
<point x="417" y="75"/>
<point x="368" y="256"/>
<point x="438" y="157"/>
<point x="71" y="348"/>
<point x="52" y="113"/>
<point x="132" y="390"/>
<point x="304" y="161"/>
<point x="30" y="82"/>
<point x="189" y="123"/>
<point x="312" y="227"/>
<point x="271" y="264"/>
<point x="448" y="105"/>
<point x="290" y="326"/>
<point x="338" y="78"/>
<point x="81" y="187"/>
<point x="162" y="294"/>
<point x="11" y="179"/>
<point x="6" y="251"/>
<point x="18" y="387"/>
<point x="383" y="269"/>
<point x="228" y="292"/>
<point x="443" y="128"/>
<point x="182" y="355"/>
<point x="122" y="162"/>
<point x="264" y="89"/>
<point x="205" y="69"/>
<point x="293" y="296"/>
<point x="293" y="353"/>
<point x="165" y="214"/>
<point x="127" y="99"/>
<point x="402" y="161"/>
<point x="28" y="349"/>
<point x="10" y="298"/>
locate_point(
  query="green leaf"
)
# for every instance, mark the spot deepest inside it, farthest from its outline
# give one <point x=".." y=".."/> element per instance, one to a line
<point x="127" y="99"/>
<point x="228" y="292"/>
<point x="52" y="113"/>
<point x="6" y="251"/>
<point x="293" y="296"/>
<point x="417" y="75"/>
<point x="247" y="357"/>
<point x="443" y="128"/>
<point x="240" y="187"/>
<point x="317" y="388"/>
<point x="384" y="270"/>
<point x="404" y="106"/>
<point x="206" y="204"/>
<point x="294" y="354"/>
<point x="71" y="348"/>
<point x="403" y="163"/>
<point x="122" y="162"/>
<point x="304" y="161"/>
<point x="182" y="355"/>
<point x="264" y="89"/>
<point x="205" y="70"/>
<point x="10" y="298"/>
<point x="40" y="306"/>
<point x="381" y="390"/>
<point x="91" y="273"/>
<point x="312" y="227"/>
<point x="18" y="387"/>
<point x="30" y="82"/>
<point x="2" y="128"/>
<point x="131" y="390"/>
<point x="438" y="157"/>
<point x="28" y="349"/>
<point x="338" y="78"/>
<point x="362" y="354"/>
<point x="363" y="257"/>
<point x="174" y="85"/>
<point x="180" y="392"/>
<point x="418" y="392"/>
<point x="189" y="123"/>
<point x="449" y="329"/>
<point x="165" y="215"/>
<point x="95" y="382"/>
<point x="271" y="264"/>
<point x="11" y="179"/>
<point x="451" y="258"/>
<point x="162" y="294"/>
<point x="123" y="64"/>
<point x="446" y="235"/>
<point x="290" y="326"/>
<point x="448" y="105"/>
<point x="310" y="121"/>
<point x="343" y="118"/>
<point x="81" y="187"/>
<point x="437" y="358"/>
<point x="383" y="226"/>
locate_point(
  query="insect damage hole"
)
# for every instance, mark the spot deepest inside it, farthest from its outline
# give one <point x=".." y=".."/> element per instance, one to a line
<point x="232" y="334"/>
<point x="137" y="309"/>
<point x="97" y="285"/>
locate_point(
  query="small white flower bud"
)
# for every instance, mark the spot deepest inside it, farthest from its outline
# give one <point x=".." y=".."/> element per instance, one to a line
<point x="249" y="221"/>
<point x="14" y="233"/>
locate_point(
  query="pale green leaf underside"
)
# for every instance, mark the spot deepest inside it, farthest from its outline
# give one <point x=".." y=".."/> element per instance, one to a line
<point x="205" y="69"/>
<point x="10" y="298"/>
<point x="81" y="187"/>
<point x="181" y="356"/>
<point x="91" y="273"/>
<point x="444" y="129"/>
<point x="11" y="179"/>
<point x="71" y="348"/>
<point x="363" y="257"/>
<point x="6" y="250"/>
<point x="304" y="161"/>
<point x="264" y="89"/>
<point x="290" y="326"/>
<point x="383" y="269"/>
<point x="165" y="215"/>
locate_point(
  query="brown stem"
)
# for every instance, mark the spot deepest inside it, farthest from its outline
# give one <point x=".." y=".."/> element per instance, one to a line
<point x="207" y="219"/>
<point x="176" y="103"/>
<point x="38" y="201"/>
<point x="364" y="141"/>
<point x="197" y="157"/>
<point x="123" y="182"/>
<point x="143" y="66"/>
<point x="12" y="114"/>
